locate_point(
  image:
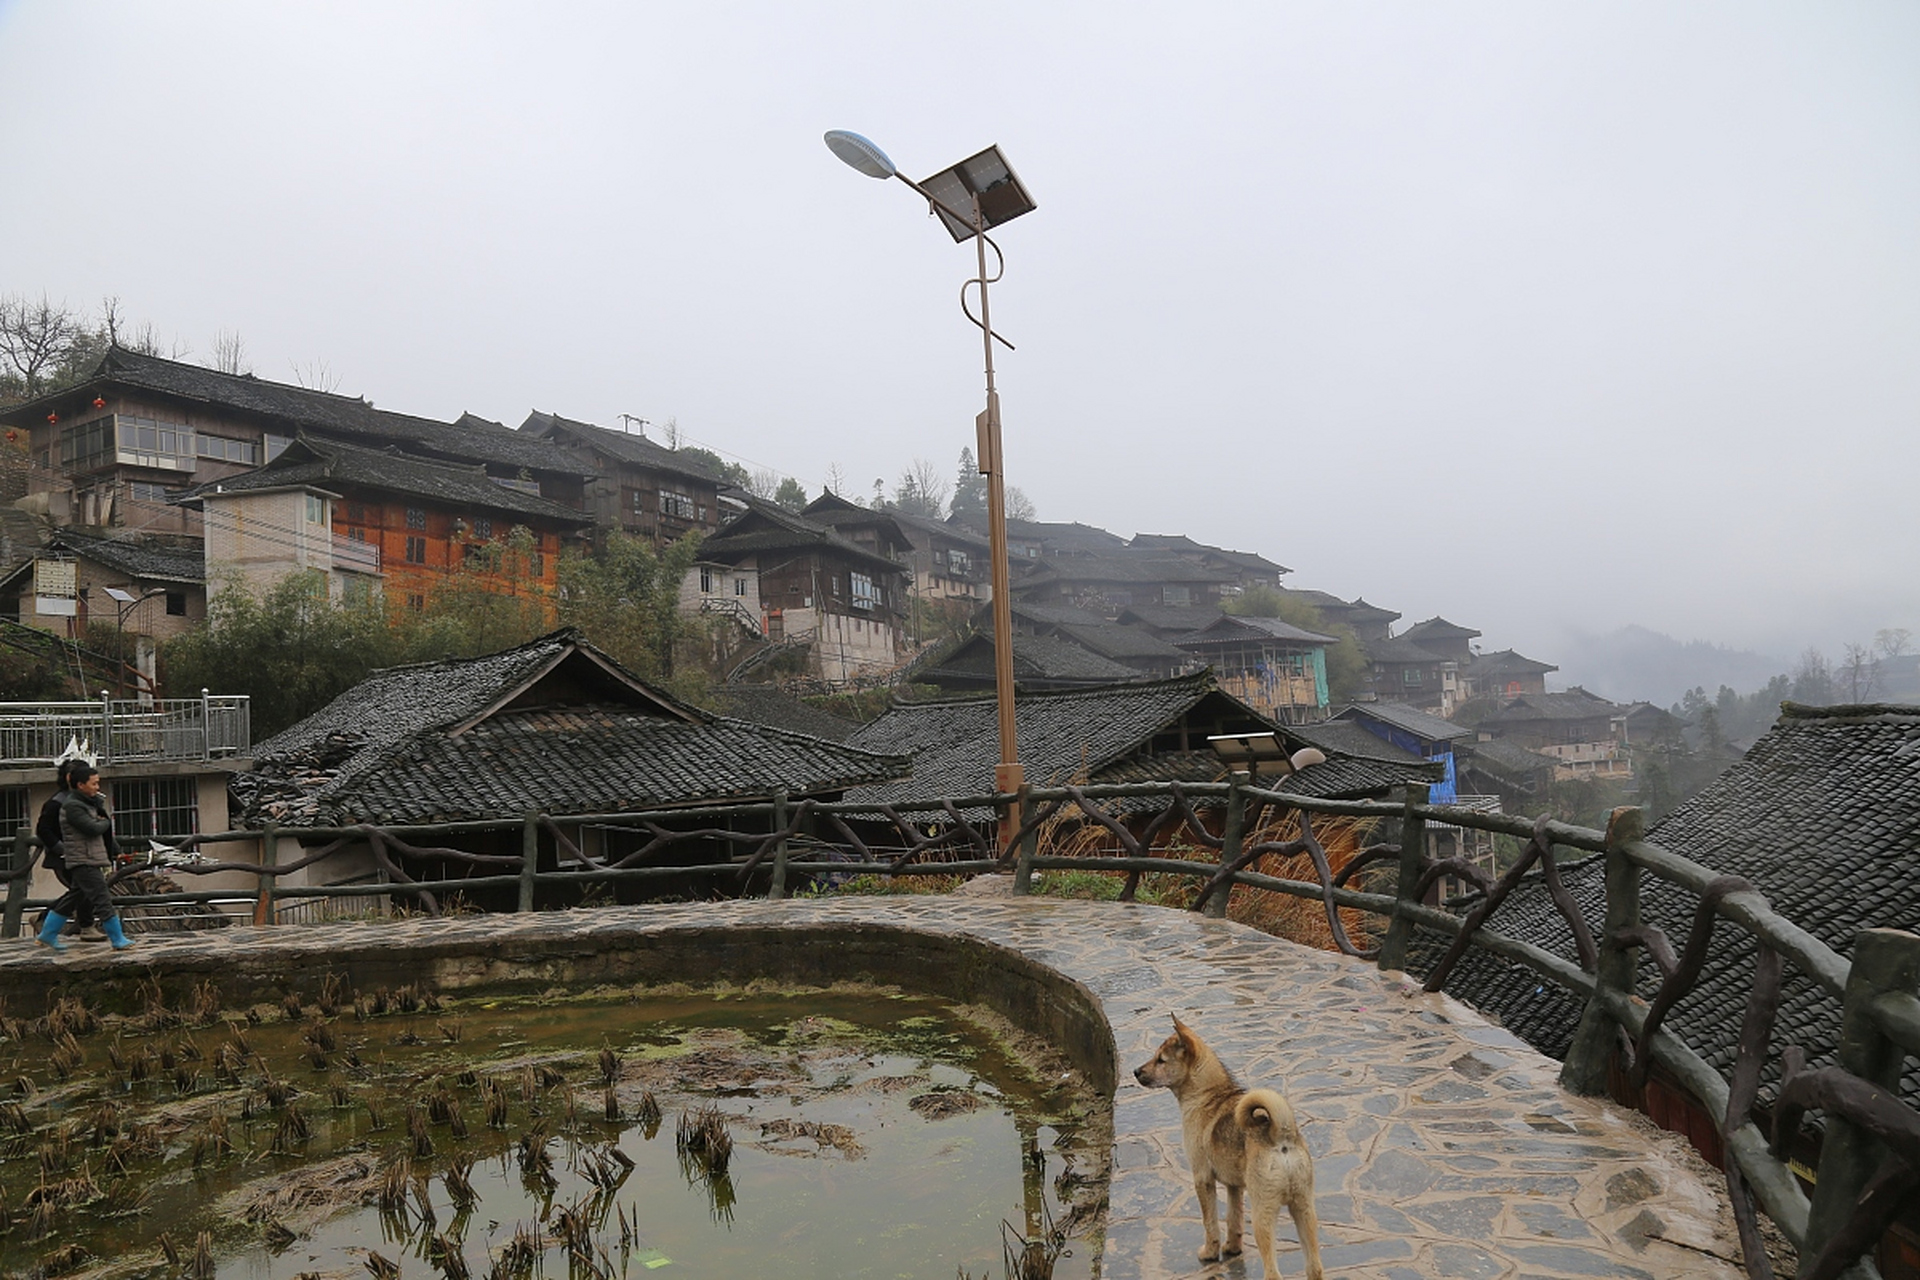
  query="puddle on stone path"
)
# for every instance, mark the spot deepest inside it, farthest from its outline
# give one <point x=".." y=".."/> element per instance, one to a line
<point x="873" y="1134"/>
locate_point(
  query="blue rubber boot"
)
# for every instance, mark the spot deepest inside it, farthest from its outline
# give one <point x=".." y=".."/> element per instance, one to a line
<point x="115" y="934"/>
<point x="50" y="931"/>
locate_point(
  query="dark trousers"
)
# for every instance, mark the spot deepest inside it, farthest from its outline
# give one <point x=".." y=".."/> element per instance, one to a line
<point x="89" y="887"/>
<point x="82" y="913"/>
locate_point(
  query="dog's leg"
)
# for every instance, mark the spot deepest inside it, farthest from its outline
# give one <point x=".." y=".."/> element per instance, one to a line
<point x="1307" y="1227"/>
<point x="1263" y="1239"/>
<point x="1233" y="1245"/>
<point x="1209" y="1218"/>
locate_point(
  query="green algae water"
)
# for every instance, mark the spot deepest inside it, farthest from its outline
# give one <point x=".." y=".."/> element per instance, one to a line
<point x="865" y="1133"/>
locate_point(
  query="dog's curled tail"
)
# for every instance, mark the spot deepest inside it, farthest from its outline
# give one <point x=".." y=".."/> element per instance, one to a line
<point x="1265" y="1118"/>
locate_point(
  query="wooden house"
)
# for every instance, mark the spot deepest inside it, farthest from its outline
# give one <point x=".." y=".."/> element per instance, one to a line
<point x="639" y="487"/>
<point x="1273" y="666"/>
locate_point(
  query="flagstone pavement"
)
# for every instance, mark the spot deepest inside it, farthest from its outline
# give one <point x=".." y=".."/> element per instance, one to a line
<point x="1443" y="1145"/>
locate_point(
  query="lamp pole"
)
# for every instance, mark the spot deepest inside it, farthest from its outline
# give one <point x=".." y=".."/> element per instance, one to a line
<point x="125" y="604"/>
<point x="992" y="194"/>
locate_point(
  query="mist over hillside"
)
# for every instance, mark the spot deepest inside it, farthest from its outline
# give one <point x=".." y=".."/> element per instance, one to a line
<point x="1636" y="664"/>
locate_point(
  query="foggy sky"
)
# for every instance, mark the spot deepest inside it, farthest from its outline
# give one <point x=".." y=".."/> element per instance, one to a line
<point x="1535" y="316"/>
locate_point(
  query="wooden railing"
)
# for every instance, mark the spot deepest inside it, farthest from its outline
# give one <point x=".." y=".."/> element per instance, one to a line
<point x="1870" y="1158"/>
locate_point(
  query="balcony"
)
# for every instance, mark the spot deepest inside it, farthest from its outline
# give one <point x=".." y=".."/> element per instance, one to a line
<point x="355" y="556"/>
<point x="125" y="730"/>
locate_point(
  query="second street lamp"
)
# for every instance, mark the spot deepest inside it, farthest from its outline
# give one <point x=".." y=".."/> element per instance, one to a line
<point x="971" y="198"/>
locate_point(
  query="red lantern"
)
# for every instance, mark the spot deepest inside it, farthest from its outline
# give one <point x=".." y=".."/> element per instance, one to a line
<point x="53" y="417"/>
<point x="99" y="402"/>
<point x="12" y="435"/>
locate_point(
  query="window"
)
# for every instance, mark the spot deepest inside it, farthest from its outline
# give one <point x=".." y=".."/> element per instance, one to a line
<point x="357" y="590"/>
<point x="674" y="504"/>
<point x="1176" y="597"/>
<point x="706" y="581"/>
<point x="316" y="509"/>
<point x="539" y="565"/>
<point x="163" y="807"/>
<point x="222" y="449"/>
<point x="959" y="561"/>
<point x="416" y="518"/>
<point x="483" y="529"/>
<point x="740" y="586"/>
<point x="276" y="445"/>
<point x="638" y="501"/>
<point x="142" y="491"/>
<point x="416" y="602"/>
<point x="1411" y="675"/>
<point x="416" y="550"/>
<point x="357" y="535"/>
<point x="356" y="511"/>
<point x="13" y="808"/>
<point x="865" y="594"/>
<point x="176" y="604"/>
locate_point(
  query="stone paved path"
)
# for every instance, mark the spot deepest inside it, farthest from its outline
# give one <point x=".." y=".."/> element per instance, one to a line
<point x="1442" y="1145"/>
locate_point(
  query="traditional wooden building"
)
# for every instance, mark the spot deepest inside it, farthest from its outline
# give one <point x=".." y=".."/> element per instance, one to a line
<point x="380" y="520"/>
<point x="1135" y="648"/>
<point x="844" y="601"/>
<point x="1506" y="674"/>
<point x="1275" y="667"/>
<point x="71" y="583"/>
<point x="109" y="450"/>
<point x="636" y="486"/>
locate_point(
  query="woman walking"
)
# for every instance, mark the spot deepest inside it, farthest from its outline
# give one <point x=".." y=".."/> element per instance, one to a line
<point x="87" y="843"/>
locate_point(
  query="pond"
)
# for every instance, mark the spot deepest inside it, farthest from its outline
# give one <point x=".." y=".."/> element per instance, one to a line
<point x="845" y="1131"/>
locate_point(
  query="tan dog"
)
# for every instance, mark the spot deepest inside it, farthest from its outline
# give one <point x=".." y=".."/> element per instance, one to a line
<point x="1244" y="1138"/>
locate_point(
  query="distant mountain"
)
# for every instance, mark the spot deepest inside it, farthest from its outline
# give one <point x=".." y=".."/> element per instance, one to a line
<point x="1635" y="664"/>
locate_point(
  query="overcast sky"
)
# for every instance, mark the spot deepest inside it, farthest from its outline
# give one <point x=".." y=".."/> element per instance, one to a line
<point x="1533" y="315"/>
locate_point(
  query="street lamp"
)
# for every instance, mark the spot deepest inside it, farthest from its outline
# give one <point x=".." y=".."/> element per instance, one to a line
<point x="125" y="604"/>
<point x="970" y="199"/>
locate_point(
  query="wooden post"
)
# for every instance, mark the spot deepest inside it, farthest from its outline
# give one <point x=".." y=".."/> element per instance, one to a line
<point x="1029" y="846"/>
<point x="1413" y="841"/>
<point x="17" y="888"/>
<point x="777" y="886"/>
<point x="1883" y="960"/>
<point x="1585" y="1070"/>
<point x="269" y="857"/>
<point x="1232" y="832"/>
<point x="529" y="858"/>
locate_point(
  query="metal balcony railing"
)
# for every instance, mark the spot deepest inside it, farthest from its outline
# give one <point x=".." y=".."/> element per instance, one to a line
<point x="121" y="730"/>
<point x="353" y="554"/>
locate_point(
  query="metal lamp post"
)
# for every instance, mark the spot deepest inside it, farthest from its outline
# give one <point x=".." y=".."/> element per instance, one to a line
<point x="971" y="198"/>
<point x="125" y="604"/>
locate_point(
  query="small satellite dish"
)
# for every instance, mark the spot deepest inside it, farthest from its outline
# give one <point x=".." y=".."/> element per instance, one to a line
<point x="857" y="152"/>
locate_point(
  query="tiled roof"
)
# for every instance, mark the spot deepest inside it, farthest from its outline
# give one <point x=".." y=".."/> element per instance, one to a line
<point x="1169" y="619"/>
<point x="1350" y="739"/>
<point x="767" y="527"/>
<point x="1401" y="716"/>
<point x="1041" y="660"/>
<point x="622" y="446"/>
<point x="1822" y="816"/>
<point x="1505" y="662"/>
<point x="1504" y="757"/>
<point x="1227" y="629"/>
<point x="1106" y="638"/>
<point x="1061" y="537"/>
<point x="136" y="558"/>
<point x="1180" y="543"/>
<point x="764" y="704"/>
<point x="1437" y="628"/>
<point x="328" y="464"/>
<point x="297" y="409"/>
<point x="1575" y="704"/>
<point x="921" y="528"/>
<point x="1141" y="567"/>
<point x="1063" y="736"/>
<point x="493" y="737"/>
<point x="1397" y="649"/>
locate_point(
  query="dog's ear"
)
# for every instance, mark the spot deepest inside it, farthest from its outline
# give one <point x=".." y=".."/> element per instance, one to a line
<point x="1184" y="1034"/>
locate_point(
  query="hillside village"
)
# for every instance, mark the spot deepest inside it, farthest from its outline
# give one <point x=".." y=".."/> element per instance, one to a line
<point x="147" y="484"/>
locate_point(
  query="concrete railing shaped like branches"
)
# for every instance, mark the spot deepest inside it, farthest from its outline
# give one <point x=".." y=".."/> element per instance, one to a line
<point x="1870" y="1157"/>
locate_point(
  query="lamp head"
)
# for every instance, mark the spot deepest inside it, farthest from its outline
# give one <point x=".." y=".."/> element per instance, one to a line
<point x="857" y="152"/>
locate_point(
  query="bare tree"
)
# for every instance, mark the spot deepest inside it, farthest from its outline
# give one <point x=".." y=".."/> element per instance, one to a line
<point x="836" y="478"/>
<point x="1858" y="672"/>
<point x="1020" y="506"/>
<point x="230" y="353"/>
<point x="922" y="491"/>
<point x="1813" y="679"/>
<point x="1892" y="642"/>
<point x="36" y="338"/>
<point x="316" y="375"/>
<point x="671" y="432"/>
<point x="763" y="484"/>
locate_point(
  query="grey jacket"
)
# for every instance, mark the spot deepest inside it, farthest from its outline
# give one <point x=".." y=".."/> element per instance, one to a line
<point x="86" y="831"/>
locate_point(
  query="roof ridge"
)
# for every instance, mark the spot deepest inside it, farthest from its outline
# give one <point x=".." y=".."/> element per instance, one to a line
<point x="1850" y="712"/>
